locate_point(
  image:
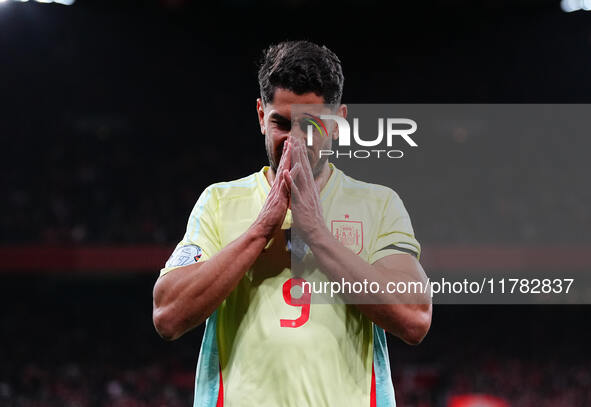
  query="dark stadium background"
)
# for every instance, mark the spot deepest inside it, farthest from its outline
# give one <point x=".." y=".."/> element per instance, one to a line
<point x="116" y="115"/>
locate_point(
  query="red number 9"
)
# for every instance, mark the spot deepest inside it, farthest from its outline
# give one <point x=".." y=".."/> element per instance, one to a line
<point x="303" y="302"/>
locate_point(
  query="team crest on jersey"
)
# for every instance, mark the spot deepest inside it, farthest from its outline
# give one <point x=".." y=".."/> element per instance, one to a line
<point x="349" y="233"/>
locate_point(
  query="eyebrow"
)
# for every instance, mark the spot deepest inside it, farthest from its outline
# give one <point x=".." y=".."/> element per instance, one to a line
<point x="279" y="118"/>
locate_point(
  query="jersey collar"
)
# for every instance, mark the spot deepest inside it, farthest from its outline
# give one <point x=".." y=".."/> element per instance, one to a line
<point x="332" y="180"/>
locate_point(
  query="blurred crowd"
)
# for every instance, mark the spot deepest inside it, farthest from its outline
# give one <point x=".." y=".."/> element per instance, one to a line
<point x="520" y="383"/>
<point x="163" y="382"/>
<point x="90" y="343"/>
<point x="98" y="384"/>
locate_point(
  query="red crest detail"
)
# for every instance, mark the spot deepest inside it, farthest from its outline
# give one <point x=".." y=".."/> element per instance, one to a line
<point x="349" y="233"/>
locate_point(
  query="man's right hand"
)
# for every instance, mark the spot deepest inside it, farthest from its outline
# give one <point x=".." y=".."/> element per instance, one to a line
<point x="273" y="212"/>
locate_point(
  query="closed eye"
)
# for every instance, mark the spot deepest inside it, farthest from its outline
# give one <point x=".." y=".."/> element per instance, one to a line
<point x="281" y="122"/>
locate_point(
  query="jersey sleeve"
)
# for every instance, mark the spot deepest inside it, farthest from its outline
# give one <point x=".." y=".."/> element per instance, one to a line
<point x="201" y="240"/>
<point x="395" y="233"/>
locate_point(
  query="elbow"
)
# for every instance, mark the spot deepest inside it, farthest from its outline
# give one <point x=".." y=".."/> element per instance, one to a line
<point x="171" y="315"/>
<point x="165" y="324"/>
<point x="164" y="317"/>
<point x="417" y="329"/>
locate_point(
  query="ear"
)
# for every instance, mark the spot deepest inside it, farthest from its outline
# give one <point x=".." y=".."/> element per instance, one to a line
<point x="341" y="111"/>
<point x="261" y="114"/>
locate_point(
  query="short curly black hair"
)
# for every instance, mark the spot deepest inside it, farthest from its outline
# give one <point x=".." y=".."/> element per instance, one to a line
<point x="301" y="67"/>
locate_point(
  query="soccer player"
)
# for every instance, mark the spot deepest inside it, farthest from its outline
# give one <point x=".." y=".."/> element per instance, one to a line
<point x="261" y="346"/>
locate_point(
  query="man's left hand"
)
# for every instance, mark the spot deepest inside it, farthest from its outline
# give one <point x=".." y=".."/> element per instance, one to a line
<point x="305" y="199"/>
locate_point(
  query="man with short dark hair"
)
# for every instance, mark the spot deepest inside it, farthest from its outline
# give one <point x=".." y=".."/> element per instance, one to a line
<point x="263" y="345"/>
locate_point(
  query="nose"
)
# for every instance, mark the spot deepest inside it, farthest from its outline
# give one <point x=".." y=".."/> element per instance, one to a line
<point x="306" y="131"/>
<point x="298" y="130"/>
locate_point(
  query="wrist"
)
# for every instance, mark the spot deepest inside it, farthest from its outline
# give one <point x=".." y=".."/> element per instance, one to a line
<point x="317" y="233"/>
<point x="258" y="231"/>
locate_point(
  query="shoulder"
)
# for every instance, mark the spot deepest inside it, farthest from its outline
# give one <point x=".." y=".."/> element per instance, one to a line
<point x="229" y="189"/>
<point x="369" y="190"/>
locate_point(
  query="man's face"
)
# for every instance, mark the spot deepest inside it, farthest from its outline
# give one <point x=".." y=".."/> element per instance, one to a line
<point x="277" y="124"/>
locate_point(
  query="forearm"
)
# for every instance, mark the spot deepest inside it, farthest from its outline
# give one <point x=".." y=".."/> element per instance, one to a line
<point x="406" y="316"/>
<point x="185" y="297"/>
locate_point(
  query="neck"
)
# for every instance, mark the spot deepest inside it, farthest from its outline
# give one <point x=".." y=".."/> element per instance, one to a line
<point x="321" y="178"/>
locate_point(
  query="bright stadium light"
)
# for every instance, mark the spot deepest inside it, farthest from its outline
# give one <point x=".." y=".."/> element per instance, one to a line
<point x="62" y="2"/>
<point x="569" y="6"/>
